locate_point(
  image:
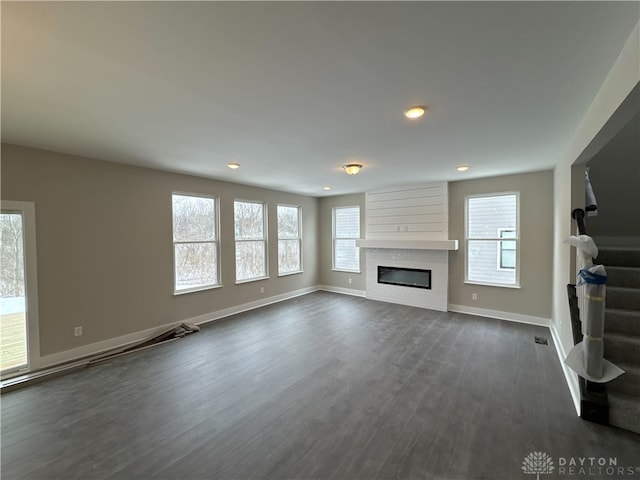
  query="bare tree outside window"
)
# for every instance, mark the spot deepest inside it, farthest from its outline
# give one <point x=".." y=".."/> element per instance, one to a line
<point x="13" y="327"/>
<point x="289" y="240"/>
<point x="11" y="256"/>
<point x="195" y="242"/>
<point x="250" y="234"/>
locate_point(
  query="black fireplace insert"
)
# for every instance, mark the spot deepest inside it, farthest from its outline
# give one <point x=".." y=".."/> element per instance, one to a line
<point x="407" y="277"/>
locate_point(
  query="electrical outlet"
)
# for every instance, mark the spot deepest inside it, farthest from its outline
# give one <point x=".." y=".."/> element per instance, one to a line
<point x="261" y="289"/>
<point x="77" y="331"/>
<point x="474" y="296"/>
<point x="350" y="281"/>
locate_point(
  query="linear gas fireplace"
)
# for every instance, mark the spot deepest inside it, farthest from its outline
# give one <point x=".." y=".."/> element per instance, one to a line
<point x="406" y="277"/>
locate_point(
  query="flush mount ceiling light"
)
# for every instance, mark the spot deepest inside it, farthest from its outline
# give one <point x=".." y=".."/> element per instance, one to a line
<point x="463" y="168"/>
<point x="415" y="111"/>
<point x="352" y="168"/>
<point x="326" y="187"/>
<point x="233" y="166"/>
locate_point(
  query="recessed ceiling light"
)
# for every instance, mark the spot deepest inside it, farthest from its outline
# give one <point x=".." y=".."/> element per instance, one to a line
<point x="352" y="168"/>
<point x="326" y="187"/>
<point x="463" y="168"/>
<point x="415" y="111"/>
<point x="233" y="166"/>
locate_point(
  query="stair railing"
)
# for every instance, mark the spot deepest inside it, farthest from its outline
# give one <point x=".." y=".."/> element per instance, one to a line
<point x="594" y="403"/>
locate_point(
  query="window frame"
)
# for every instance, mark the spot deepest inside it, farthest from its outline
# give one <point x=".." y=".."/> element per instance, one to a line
<point x="335" y="238"/>
<point x="216" y="242"/>
<point x="30" y="268"/>
<point x="265" y="238"/>
<point x="299" y="239"/>
<point x="497" y="239"/>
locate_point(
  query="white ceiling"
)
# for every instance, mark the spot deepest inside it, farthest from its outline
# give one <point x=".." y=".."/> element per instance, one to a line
<point x="294" y="90"/>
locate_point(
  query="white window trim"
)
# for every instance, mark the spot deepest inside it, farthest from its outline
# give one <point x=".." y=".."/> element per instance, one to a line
<point x="265" y="237"/>
<point x="334" y="238"/>
<point x="216" y="208"/>
<point x="301" y="269"/>
<point x="516" y="284"/>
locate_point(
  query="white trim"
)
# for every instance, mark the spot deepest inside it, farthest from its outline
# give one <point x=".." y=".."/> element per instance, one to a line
<point x="512" y="317"/>
<point x="104" y="346"/>
<point x="570" y="376"/>
<point x="342" y="290"/>
<point x="197" y="289"/>
<point x="486" y="284"/>
<point x="226" y="312"/>
<point x="409" y="244"/>
<point x="97" y="348"/>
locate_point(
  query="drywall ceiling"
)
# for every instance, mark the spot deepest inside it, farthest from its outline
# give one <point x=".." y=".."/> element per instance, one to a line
<point x="294" y="90"/>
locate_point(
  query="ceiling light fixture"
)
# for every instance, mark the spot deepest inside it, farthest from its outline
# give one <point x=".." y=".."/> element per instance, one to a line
<point x="233" y="166"/>
<point x="415" y="111"/>
<point x="352" y="168"/>
<point x="463" y="168"/>
<point x="326" y="187"/>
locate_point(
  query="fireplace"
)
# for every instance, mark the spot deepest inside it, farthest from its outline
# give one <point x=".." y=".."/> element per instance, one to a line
<point x="401" y="267"/>
<point x="406" y="277"/>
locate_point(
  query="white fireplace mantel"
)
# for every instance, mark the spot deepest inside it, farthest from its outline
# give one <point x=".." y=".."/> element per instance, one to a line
<point x="409" y="244"/>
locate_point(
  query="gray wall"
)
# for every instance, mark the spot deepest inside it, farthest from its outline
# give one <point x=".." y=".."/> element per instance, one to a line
<point x="327" y="275"/>
<point x="615" y="176"/>
<point x="104" y="245"/>
<point x="536" y="233"/>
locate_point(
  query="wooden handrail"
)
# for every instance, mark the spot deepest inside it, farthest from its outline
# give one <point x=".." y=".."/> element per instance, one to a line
<point x="578" y="215"/>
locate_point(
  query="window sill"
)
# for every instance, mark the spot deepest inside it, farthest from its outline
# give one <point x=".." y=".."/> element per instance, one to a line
<point x="196" y="289"/>
<point x="249" y="280"/>
<point x="345" y="271"/>
<point x="487" y="284"/>
<point x="290" y="273"/>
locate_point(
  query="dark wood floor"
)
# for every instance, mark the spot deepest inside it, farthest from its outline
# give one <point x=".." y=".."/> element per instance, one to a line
<point x="321" y="386"/>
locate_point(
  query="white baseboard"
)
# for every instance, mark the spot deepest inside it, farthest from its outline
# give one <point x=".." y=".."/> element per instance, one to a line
<point x="245" y="307"/>
<point x="94" y="349"/>
<point x="512" y="317"/>
<point x="97" y="348"/>
<point x="569" y="375"/>
<point x="345" y="291"/>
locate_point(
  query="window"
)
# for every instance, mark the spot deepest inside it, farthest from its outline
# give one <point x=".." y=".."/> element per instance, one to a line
<point x="19" y="333"/>
<point x="346" y="229"/>
<point x="251" y="240"/>
<point x="490" y="259"/>
<point x="195" y="242"/>
<point x="289" y="240"/>
<point x="507" y="254"/>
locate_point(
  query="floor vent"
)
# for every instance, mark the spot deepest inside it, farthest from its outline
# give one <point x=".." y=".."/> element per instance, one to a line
<point x="542" y="340"/>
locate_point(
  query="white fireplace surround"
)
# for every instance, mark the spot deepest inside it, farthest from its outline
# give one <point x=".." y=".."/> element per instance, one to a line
<point x="408" y="227"/>
<point x="434" y="260"/>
